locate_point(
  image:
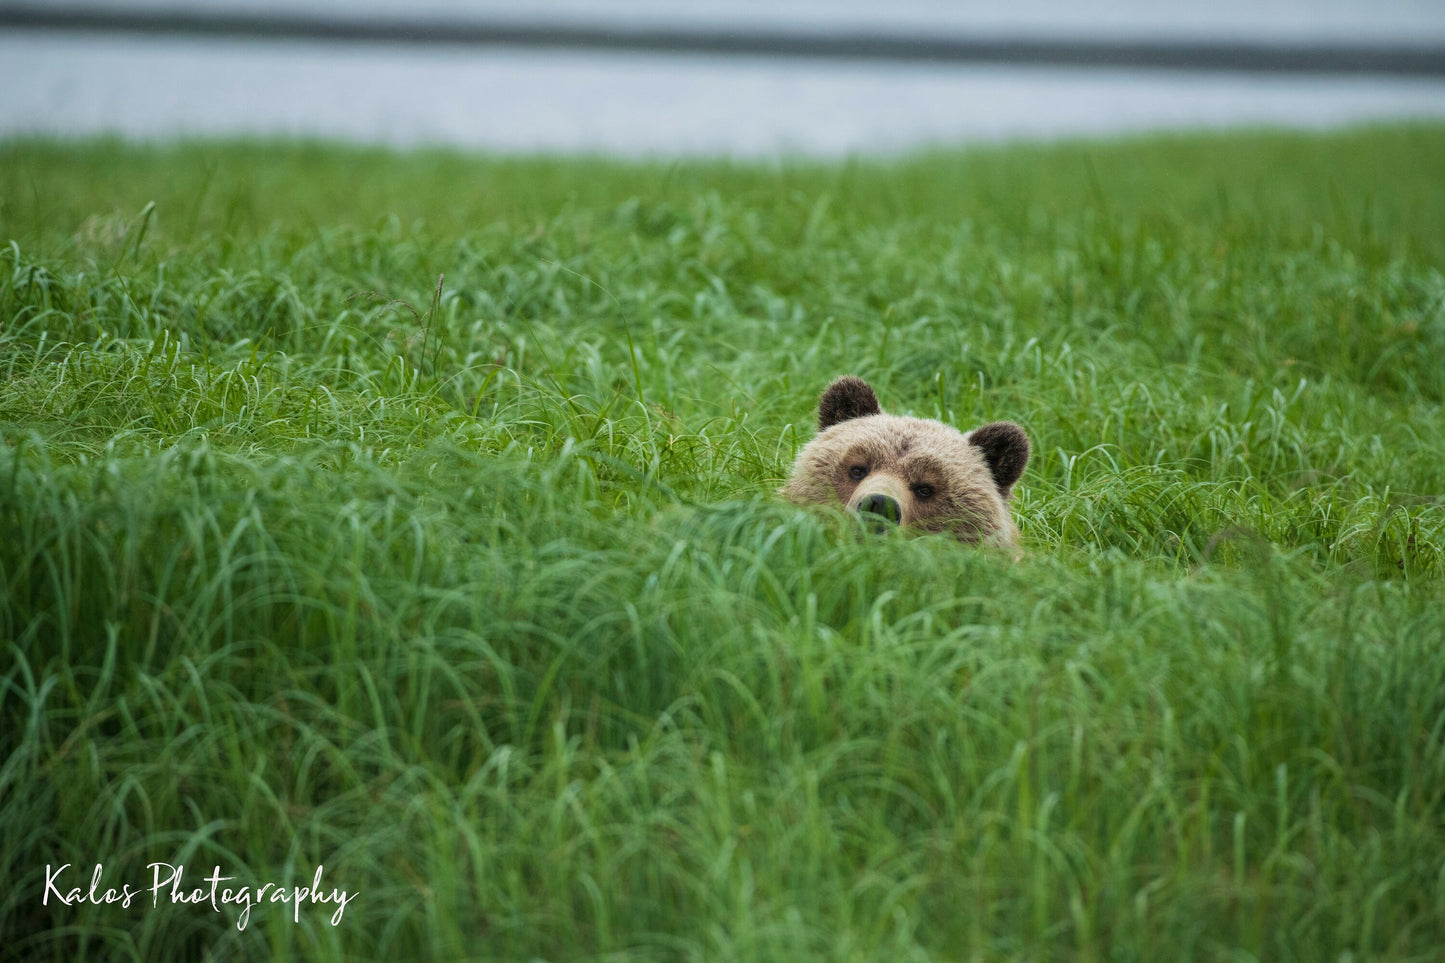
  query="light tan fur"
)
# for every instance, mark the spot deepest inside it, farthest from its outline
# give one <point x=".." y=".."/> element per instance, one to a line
<point x="903" y="458"/>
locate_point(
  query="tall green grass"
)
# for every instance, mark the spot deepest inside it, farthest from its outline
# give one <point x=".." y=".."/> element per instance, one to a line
<point x="412" y="514"/>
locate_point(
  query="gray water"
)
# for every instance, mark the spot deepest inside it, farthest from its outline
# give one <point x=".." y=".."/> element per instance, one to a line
<point x="1295" y="20"/>
<point x="511" y="99"/>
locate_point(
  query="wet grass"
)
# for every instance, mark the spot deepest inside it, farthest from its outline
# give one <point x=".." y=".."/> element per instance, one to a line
<point x="474" y="591"/>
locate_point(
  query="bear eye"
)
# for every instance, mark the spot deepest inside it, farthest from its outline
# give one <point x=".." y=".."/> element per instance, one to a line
<point x="923" y="491"/>
<point x="858" y="472"/>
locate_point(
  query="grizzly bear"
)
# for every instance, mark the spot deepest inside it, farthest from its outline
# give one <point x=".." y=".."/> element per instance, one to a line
<point x="910" y="471"/>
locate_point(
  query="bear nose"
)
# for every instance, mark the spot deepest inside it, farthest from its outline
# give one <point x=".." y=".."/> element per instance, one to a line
<point x="883" y="508"/>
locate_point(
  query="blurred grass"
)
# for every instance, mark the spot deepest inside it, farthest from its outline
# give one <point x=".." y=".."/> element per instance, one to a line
<point x="475" y="592"/>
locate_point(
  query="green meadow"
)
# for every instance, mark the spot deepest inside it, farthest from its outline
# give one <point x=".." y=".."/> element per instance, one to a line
<point x="412" y="516"/>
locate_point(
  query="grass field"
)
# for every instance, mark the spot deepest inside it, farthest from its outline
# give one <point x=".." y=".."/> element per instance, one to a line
<point x="412" y="516"/>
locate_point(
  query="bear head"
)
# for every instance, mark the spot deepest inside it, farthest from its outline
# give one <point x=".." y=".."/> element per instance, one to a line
<point x="916" y="472"/>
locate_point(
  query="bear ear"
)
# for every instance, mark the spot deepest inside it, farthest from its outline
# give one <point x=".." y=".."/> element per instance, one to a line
<point x="1005" y="449"/>
<point x="846" y="399"/>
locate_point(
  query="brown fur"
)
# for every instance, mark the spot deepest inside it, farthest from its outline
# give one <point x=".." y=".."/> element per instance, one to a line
<point x="846" y="398"/>
<point x="942" y="479"/>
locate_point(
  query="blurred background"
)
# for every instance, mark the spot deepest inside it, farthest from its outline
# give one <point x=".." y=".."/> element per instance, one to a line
<point x="745" y="78"/>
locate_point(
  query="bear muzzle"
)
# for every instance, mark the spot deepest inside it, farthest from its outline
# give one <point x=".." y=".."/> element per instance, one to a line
<point x="881" y="511"/>
<point x="880" y="501"/>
